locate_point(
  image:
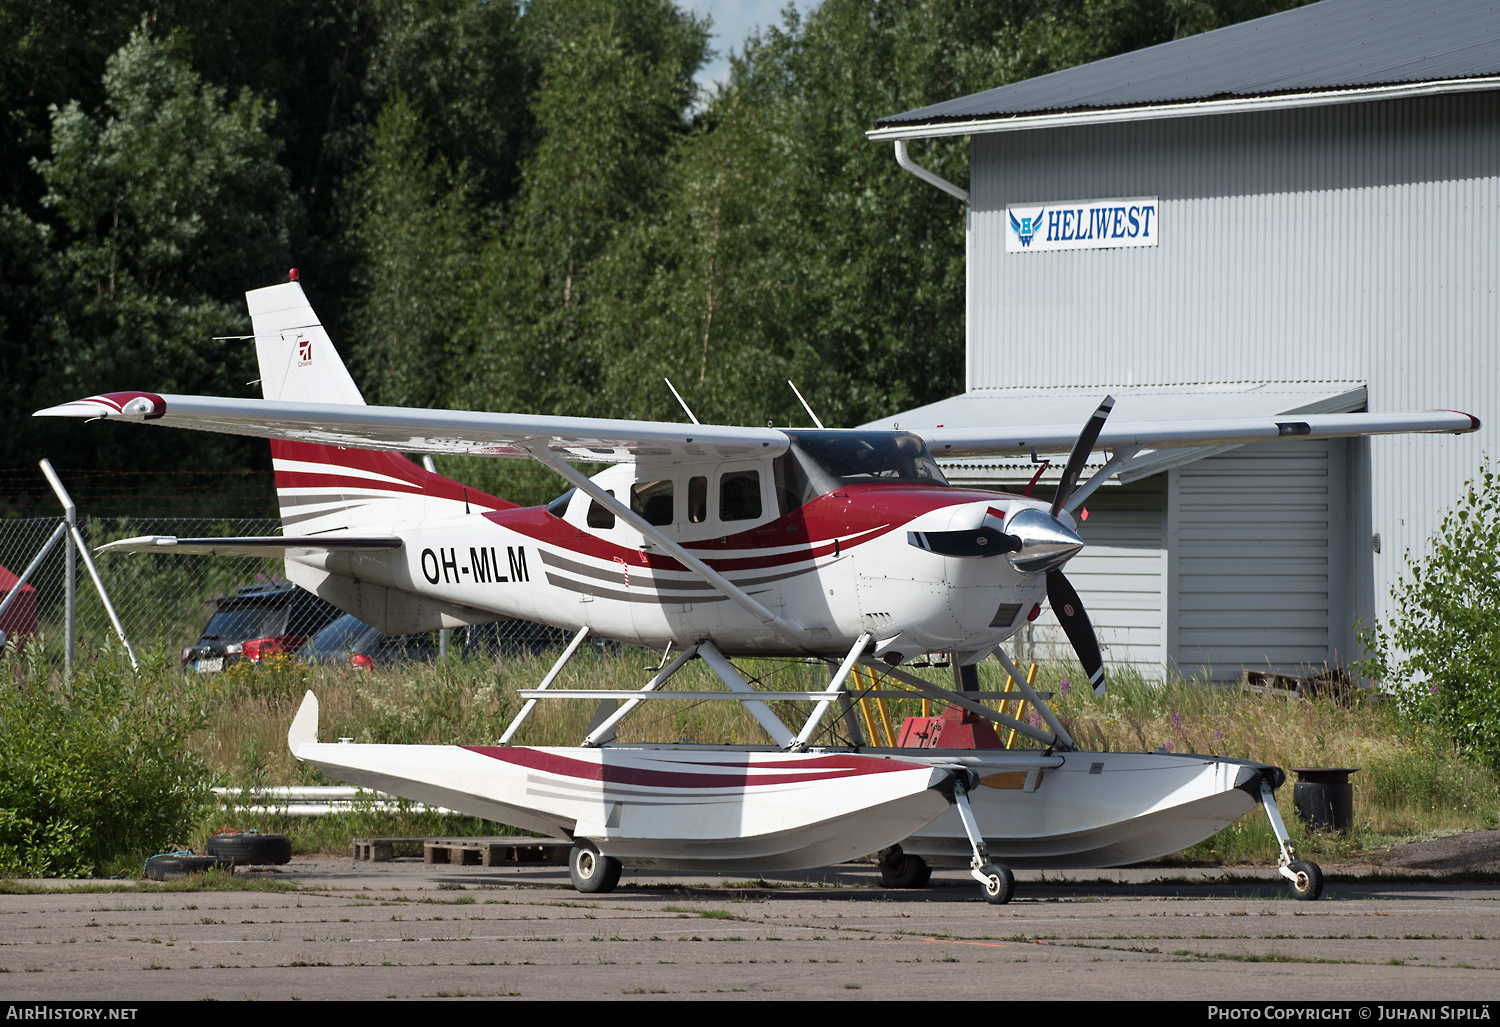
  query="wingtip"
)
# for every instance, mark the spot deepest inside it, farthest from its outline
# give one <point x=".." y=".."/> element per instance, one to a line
<point x="139" y="544"/>
<point x="77" y="408"/>
<point x="1474" y="424"/>
<point x="145" y="405"/>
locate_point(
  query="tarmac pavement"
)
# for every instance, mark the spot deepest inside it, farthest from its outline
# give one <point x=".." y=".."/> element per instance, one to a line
<point x="331" y="928"/>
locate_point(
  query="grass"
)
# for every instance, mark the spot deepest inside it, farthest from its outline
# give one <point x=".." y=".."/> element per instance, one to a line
<point x="1410" y="783"/>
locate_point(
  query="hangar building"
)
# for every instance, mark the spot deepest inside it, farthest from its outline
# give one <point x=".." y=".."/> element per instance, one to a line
<point x="1297" y="214"/>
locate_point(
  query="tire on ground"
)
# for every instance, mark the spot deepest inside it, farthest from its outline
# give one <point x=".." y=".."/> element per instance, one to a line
<point x="252" y="849"/>
<point x="167" y="868"/>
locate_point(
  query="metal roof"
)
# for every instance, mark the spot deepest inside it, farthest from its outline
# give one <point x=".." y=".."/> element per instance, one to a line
<point x="1330" y="46"/>
<point x="1021" y="406"/>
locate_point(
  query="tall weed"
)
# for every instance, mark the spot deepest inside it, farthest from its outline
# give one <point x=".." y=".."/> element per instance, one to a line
<point x="96" y="774"/>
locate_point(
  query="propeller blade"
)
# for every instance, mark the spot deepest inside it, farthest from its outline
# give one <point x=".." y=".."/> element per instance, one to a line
<point x="1081" y="450"/>
<point x="982" y="542"/>
<point x="1063" y="599"/>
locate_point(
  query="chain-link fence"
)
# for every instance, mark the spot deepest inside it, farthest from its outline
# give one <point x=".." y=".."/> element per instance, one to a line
<point x="168" y="598"/>
<point x="159" y="597"/>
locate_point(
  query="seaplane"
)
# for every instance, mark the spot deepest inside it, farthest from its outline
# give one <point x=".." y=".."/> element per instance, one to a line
<point x="716" y="543"/>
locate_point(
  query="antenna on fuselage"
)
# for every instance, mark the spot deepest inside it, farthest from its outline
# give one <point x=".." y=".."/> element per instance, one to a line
<point x="681" y="400"/>
<point x="805" y="405"/>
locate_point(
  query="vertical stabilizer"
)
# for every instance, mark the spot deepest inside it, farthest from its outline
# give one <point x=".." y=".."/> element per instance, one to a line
<point x="297" y="359"/>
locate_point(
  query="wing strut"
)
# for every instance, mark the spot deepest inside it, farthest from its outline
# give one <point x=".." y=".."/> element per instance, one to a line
<point x="789" y="630"/>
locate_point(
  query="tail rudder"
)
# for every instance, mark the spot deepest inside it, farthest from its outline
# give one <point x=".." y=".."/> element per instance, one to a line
<point x="297" y="359"/>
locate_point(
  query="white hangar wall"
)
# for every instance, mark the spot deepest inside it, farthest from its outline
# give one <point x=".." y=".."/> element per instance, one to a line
<point x="1352" y="242"/>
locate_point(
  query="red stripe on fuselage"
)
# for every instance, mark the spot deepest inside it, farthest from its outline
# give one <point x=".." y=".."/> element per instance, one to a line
<point x="853" y="515"/>
<point x="392" y="465"/>
<point x="752" y="775"/>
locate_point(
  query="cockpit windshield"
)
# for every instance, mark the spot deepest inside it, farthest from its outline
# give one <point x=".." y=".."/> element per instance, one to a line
<point x="858" y="457"/>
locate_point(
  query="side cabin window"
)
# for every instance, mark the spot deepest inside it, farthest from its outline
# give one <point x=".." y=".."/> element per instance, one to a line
<point x="653" y="501"/>
<point x="739" y="496"/>
<point x="697" y="499"/>
<point x="600" y="516"/>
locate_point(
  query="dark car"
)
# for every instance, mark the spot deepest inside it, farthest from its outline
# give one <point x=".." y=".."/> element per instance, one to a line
<point x="350" y="641"/>
<point x="255" y="622"/>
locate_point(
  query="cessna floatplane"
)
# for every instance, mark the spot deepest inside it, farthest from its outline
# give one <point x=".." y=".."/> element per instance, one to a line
<point x="718" y="542"/>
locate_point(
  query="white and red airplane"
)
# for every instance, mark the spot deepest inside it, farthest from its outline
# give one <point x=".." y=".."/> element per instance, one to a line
<point x="846" y="546"/>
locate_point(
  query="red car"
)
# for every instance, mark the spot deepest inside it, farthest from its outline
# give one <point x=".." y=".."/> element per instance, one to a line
<point x="255" y="622"/>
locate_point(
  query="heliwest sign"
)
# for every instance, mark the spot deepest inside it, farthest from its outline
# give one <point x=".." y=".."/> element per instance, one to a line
<point x="1082" y="224"/>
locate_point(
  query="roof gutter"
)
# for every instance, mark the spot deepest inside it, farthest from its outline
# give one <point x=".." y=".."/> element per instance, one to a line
<point x="904" y="159"/>
<point x="1153" y="112"/>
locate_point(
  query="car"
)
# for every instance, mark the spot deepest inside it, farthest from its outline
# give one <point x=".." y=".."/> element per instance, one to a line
<point x="255" y="622"/>
<point x="350" y="641"/>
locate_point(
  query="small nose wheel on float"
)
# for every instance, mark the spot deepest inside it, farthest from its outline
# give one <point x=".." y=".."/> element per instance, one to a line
<point x="998" y="882"/>
<point x="1305" y="875"/>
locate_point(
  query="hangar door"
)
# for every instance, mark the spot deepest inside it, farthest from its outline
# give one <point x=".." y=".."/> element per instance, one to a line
<point x="1255" y="549"/>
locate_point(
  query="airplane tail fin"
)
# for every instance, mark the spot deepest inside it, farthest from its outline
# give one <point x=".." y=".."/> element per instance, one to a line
<point x="330" y="488"/>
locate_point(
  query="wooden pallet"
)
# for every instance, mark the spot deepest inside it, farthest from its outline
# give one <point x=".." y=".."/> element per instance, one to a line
<point x="490" y="852"/>
<point x="384" y="850"/>
<point x="494" y="852"/>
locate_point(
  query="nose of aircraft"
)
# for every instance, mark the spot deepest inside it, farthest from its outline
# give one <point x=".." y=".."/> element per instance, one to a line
<point x="1046" y="543"/>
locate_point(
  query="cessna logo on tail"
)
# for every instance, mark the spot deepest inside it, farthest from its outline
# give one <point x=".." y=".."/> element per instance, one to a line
<point x="304" y="352"/>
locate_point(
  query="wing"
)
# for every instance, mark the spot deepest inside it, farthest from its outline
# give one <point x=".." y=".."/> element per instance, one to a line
<point x="1059" y="438"/>
<point x="252" y="545"/>
<point x="407" y="430"/>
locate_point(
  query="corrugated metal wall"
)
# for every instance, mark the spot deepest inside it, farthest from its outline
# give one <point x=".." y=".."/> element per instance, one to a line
<point x="1352" y="242"/>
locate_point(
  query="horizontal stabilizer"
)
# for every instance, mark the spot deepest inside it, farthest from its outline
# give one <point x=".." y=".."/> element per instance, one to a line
<point x="304" y="729"/>
<point x="254" y="545"/>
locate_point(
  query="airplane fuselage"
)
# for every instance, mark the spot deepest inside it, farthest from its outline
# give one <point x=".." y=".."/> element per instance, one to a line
<point x="840" y="564"/>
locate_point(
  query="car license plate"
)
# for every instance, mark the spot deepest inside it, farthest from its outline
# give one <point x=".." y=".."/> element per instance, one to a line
<point x="217" y="663"/>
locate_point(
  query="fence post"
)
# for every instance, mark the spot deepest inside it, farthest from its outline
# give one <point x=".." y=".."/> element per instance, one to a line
<point x="75" y="549"/>
<point x="70" y="576"/>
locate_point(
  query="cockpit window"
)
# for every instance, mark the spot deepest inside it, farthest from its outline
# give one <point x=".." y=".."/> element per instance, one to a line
<point x="739" y="496"/>
<point x="853" y="458"/>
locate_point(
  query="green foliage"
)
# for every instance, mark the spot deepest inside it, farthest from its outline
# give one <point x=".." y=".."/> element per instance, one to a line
<point x="412" y="219"/>
<point x="96" y="776"/>
<point x="164" y="205"/>
<point x="160" y="206"/>
<point x="1440" y="652"/>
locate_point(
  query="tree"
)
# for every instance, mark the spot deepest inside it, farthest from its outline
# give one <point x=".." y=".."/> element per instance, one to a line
<point x="164" y="208"/>
<point x="1439" y="653"/>
<point x="413" y="225"/>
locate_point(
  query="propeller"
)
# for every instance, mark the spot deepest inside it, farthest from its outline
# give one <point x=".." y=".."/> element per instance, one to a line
<point x="1055" y="544"/>
<point x="1038" y="542"/>
<point x="1068" y="608"/>
<point x="1081" y="450"/>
